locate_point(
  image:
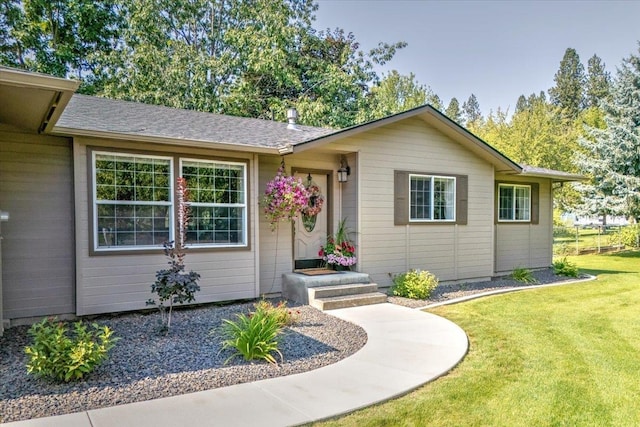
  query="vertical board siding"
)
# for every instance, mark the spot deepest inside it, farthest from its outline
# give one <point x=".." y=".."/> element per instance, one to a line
<point x="452" y="252"/>
<point x="122" y="282"/>
<point x="526" y="245"/>
<point x="36" y="188"/>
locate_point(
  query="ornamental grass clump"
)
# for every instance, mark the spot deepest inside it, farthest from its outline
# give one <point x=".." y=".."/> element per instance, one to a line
<point x="414" y="284"/>
<point x="65" y="355"/>
<point x="523" y="275"/>
<point x="284" y="315"/>
<point x="254" y="335"/>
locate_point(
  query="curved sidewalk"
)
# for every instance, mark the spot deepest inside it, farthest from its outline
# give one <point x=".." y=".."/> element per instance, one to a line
<point x="405" y="349"/>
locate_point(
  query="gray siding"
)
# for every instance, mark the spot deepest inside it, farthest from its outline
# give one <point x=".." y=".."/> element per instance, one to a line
<point x="452" y="252"/>
<point x="36" y="188"/>
<point x="526" y="245"/>
<point x="112" y="283"/>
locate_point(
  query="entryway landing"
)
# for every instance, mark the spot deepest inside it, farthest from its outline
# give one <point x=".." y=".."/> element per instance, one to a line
<point x="330" y="290"/>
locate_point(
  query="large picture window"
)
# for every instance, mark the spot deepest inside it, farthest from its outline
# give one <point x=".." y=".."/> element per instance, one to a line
<point x="432" y="198"/>
<point x="217" y="195"/>
<point x="514" y="202"/>
<point x="133" y="200"/>
<point x="134" y="206"/>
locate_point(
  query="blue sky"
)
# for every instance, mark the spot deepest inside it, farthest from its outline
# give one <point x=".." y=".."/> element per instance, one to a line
<point x="497" y="50"/>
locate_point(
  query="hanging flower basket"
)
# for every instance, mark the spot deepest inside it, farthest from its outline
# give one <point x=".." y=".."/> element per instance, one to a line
<point x="285" y="197"/>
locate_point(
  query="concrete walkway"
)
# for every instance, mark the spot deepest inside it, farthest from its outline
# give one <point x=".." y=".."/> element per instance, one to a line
<point x="405" y="349"/>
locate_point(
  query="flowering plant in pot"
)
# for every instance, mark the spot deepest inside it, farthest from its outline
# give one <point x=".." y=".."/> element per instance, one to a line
<point x="339" y="252"/>
<point x="285" y="197"/>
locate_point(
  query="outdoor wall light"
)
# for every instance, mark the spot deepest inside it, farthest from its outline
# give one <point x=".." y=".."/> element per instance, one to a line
<point x="344" y="171"/>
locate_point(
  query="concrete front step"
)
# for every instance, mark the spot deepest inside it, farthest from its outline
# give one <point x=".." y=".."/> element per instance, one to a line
<point x="340" y="290"/>
<point x="296" y="286"/>
<point x="344" y="301"/>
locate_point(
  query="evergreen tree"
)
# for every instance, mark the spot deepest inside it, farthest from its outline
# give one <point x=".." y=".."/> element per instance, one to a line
<point x="453" y="111"/>
<point x="434" y="100"/>
<point x="522" y="104"/>
<point x="598" y="82"/>
<point x="568" y="93"/>
<point x="471" y="110"/>
<point x="612" y="154"/>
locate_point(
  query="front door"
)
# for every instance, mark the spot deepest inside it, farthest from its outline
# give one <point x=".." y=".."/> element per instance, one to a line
<point x="311" y="230"/>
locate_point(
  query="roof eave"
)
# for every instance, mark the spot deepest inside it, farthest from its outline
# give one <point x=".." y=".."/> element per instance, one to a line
<point x="64" y="131"/>
<point x="62" y="91"/>
<point x="36" y="80"/>
<point x="556" y="177"/>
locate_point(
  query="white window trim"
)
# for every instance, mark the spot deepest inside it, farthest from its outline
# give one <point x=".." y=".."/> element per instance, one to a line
<point x="431" y="177"/>
<point x="513" y="209"/>
<point x="96" y="233"/>
<point x="245" y="220"/>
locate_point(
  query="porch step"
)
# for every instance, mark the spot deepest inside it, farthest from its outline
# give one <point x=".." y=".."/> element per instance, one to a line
<point x="344" y="301"/>
<point x="341" y="290"/>
<point x="341" y="296"/>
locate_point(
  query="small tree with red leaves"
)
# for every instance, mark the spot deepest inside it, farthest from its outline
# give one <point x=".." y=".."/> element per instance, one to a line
<point x="174" y="285"/>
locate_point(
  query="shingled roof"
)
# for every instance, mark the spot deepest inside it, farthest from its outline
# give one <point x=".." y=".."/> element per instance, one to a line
<point x="89" y="115"/>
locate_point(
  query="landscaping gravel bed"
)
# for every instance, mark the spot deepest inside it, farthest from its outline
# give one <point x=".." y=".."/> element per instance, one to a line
<point x="449" y="292"/>
<point x="147" y="365"/>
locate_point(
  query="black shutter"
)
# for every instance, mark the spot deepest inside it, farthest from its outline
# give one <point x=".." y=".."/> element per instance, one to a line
<point x="535" y="203"/>
<point x="462" y="199"/>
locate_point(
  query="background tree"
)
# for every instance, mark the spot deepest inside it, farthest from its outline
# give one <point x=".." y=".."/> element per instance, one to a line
<point x="471" y="110"/>
<point x="10" y="21"/>
<point x="453" y="111"/>
<point x="251" y="58"/>
<point x="612" y="157"/>
<point x="434" y="100"/>
<point x="598" y="83"/>
<point x="522" y="104"/>
<point x="58" y="37"/>
<point x="396" y="93"/>
<point x="568" y="93"/>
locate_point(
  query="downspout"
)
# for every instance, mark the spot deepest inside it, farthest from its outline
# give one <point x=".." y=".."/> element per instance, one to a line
<point x="255" y="183"/>
<point x="4" y="216"/>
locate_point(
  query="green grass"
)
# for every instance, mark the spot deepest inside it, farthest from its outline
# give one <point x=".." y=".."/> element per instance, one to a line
<point x="560" y="356"/>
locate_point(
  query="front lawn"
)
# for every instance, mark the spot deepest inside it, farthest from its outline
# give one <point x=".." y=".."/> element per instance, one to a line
<point x="565" y="355"/>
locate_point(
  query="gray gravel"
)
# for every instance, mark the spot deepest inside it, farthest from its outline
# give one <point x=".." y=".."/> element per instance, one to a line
<point x="449" y="292"/>
<point x="146" y="365"/>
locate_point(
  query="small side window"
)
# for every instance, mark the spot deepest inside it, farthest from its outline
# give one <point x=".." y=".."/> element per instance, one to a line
<point x="514" y="202"/>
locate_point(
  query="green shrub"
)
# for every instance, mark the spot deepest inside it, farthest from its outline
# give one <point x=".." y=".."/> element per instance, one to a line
<point x="630" y="235"/>
<point x="523" y="275"/>
<point x="415" y="284"/>
<point x="254" y="335"/>
<point x="63" y="355"/>
<point x="284" y="315"/>
<point x="565" y="267"/>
